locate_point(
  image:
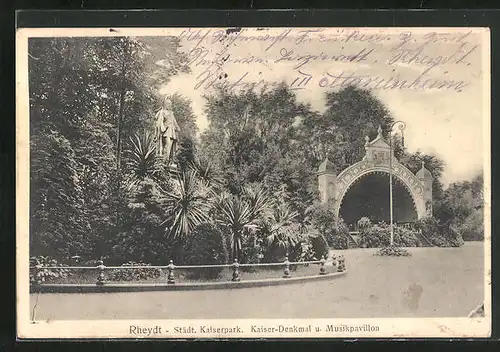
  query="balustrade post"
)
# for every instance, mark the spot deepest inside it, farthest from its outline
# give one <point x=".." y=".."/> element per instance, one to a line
<point x="101" y="278"/>
<point x="334" y="259"/>
<point x="286" y="271"/>
<point x="38" y="268"/>
<point x="236" y="270"/>
<point x="341" y="264"/>
<point x="322" y="270"/>
<point x="170" y="276"/>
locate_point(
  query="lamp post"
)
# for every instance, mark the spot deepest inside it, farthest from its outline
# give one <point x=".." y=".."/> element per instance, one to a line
<point x="402" y="126"/>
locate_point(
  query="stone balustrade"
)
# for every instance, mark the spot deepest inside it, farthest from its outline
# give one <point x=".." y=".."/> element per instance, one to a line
<point x="338" y="262"/>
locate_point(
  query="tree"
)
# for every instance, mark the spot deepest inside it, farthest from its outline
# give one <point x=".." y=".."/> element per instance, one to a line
<point x="252" y="136"/>
<point x="413" y="161"/>
<point x="322" y="219"/>
<point x="97" y="175"/>
<point x="88" y="95"/>
<point x="186" y="153"/>
<point x="183" y="112"/>
<point x="142" y="236"/>
<point x="339" y="133"/>
<point x="462" y="207"/>
<point x="56" y="199"/>
<point x="60" y="71"/>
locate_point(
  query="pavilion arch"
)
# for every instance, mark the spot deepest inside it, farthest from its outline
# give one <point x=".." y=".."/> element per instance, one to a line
<point x="334" y="188"/>
<point x="414" y="191"/>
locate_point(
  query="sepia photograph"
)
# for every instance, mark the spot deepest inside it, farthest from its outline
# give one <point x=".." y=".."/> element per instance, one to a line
<point x="253" y="182"/>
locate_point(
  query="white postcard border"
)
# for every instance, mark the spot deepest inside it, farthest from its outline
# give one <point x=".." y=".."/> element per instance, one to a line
<point x="385" y="327"/>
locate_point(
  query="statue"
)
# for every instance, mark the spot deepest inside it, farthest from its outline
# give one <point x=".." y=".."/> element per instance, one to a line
<point x="166" y="130"/>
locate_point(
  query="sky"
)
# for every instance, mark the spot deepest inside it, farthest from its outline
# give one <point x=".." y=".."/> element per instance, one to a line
<point x="446" y="122"/>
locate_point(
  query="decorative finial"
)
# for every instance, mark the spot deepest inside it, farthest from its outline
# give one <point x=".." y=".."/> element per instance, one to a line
<point x="423" y="164"/>
<point x="379" y="131"/>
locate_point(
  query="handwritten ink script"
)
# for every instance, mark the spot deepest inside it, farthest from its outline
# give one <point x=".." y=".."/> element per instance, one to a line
<point x="333" y="58"/>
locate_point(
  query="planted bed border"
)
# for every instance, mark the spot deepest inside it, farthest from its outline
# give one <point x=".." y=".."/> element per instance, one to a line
<point x="102" y="285"/>
<point x="89" y="288"/>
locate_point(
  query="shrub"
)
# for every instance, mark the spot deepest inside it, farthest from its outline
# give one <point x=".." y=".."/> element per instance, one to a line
<point x="477" y="312"/>
<point x="43" y="273"/>
<point x="341" y="238"/>
<point x="134" y="274"/>
<point x="472" y="228"/>
<point x="319" y="247"/>
<point x="334" y="230"/>
<point x="252" y="252"/>
<point x="429" y="228"/>
<point x="453" y="236"/>
<point x="405" y="237"/>
<point x="428" y="225"/>
<point x="302" y="251"/>
<point x="380" y="236"/>
<point x="205" y="246"/>
<point x="375" y="236"/>
<point x="441" y="235"/>
<point x="322" y="218"/>
<point x="144" y="246"/>
<point x="364" y="223"/>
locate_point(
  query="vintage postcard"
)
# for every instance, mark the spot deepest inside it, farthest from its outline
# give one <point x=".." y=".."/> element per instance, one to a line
<point x="253" y="183"/>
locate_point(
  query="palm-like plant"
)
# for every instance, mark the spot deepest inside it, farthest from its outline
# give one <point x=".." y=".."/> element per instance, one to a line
<point x="207" y="173"/>
<point x="237" y="214"/>
<point x="187" y="205"/>
<point x="141" y="160"/>
<point x="279" y="228"/>
<point x="259" y="200"/>
<point x="233" y="214"/>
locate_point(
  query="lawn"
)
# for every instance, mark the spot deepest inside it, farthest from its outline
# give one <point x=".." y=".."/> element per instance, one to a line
<point x="434" y="282"/>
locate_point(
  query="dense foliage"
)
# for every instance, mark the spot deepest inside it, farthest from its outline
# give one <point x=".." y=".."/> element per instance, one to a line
<point x="205" y="247"/>
<point x="141" y="274"/>
<point x="462" y="208"/>
<point x="334" y="230"/>
<point x="320" y="247"/>
<point x="88" y="96"/>
<point x="42" y="273"/>
<point x="379" y="235"/>
<point x="439" y="233"/>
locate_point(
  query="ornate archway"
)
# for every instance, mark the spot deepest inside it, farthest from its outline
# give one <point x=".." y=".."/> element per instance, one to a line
<point x="334" y="188"/>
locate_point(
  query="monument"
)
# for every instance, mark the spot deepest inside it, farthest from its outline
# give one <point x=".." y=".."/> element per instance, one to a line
<point x="166" y="131"/>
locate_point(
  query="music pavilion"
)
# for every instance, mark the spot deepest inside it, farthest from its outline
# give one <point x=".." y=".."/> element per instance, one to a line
<point x="363" y="189"/>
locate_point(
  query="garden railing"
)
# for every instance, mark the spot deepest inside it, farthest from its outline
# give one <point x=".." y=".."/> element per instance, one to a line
<point x="339" y="262"/>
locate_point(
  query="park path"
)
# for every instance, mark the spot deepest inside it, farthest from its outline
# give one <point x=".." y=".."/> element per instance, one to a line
<point x="434" y="282"/>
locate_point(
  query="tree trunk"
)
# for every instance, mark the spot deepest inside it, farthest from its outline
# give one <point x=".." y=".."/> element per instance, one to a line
<point x="119" y="127"/>
<point x="121" y="110"/>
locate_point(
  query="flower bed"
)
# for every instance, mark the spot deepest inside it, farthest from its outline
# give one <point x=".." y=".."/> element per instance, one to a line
<point x="392" y="251"/>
